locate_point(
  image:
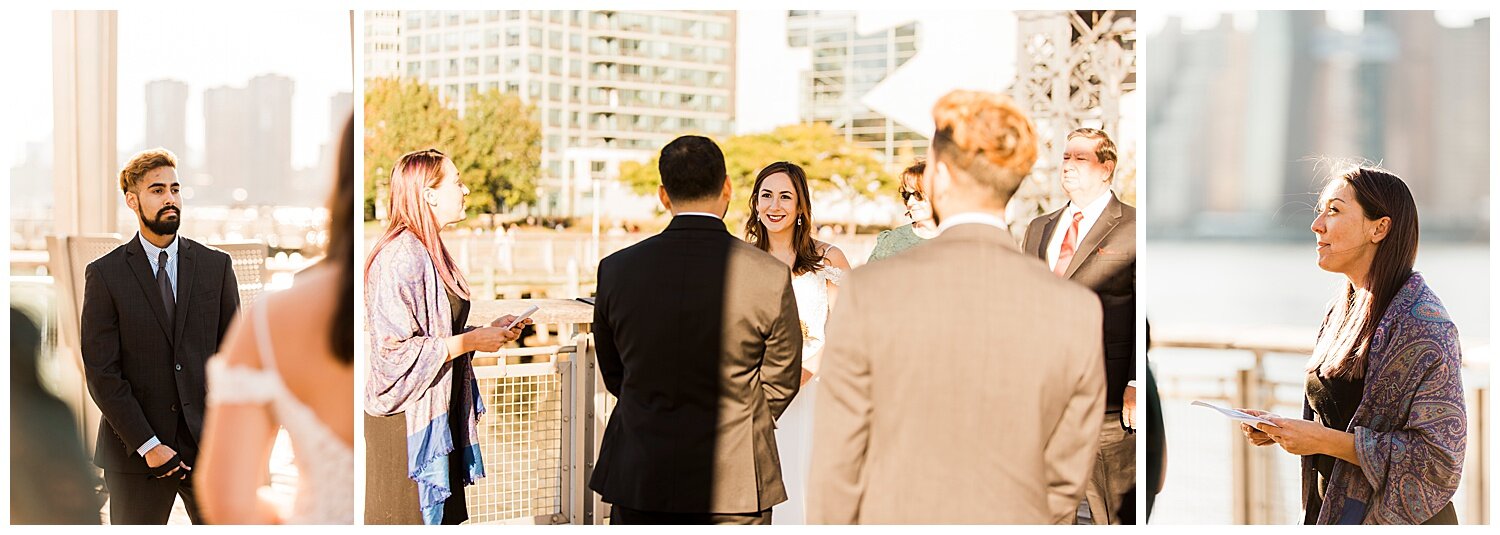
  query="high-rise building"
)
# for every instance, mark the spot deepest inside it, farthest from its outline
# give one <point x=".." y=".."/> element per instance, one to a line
<point x="248" y="140"/>
<point x="607" y="85"/>
<point x="166" y="116"/>
<point x="382" y="43"/>
<point x="846" y="65"/>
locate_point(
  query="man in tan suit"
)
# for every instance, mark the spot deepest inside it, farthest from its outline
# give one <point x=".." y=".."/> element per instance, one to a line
<point x="962" y="381"/>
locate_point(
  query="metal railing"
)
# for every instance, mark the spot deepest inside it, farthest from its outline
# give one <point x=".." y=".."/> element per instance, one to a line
<point x="1209" y="481"/>
<point x="545" y="414"/>
<point x="542" y="264"/>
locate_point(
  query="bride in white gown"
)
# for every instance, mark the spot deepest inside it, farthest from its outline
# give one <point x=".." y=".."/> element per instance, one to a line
<point x="287" y="361"/>
<point x="781" y="224"/>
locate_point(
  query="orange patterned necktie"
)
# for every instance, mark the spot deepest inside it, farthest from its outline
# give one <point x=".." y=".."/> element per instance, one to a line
<point x="1070" y="242"/>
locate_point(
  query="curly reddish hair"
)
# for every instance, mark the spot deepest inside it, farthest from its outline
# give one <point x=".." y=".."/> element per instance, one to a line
<point x="986" y="136"/>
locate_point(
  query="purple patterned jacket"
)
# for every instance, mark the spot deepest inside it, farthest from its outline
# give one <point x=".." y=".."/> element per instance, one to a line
<point x="1410" y="427"/>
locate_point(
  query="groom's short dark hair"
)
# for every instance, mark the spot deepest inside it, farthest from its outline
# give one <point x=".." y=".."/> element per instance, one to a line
<point x="692" y="168"/>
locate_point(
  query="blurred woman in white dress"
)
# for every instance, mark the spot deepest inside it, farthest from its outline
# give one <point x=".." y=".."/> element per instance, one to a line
<point x="288" y="362"/>
<point x="781" y="223"/>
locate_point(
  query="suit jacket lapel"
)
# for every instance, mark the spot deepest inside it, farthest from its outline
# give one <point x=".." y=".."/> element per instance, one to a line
<point x="1106" y="223"/>
<point x="141" y="267"/>
<point x="1048" y="227"/>
<point x="186" y="271"/>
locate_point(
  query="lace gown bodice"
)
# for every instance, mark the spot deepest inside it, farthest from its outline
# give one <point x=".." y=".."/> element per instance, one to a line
<point x="325" y="465"/>
<point x="811" y="289"/>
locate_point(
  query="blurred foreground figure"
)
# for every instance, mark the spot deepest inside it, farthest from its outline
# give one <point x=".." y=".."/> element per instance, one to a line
<point x="50" y="479"/>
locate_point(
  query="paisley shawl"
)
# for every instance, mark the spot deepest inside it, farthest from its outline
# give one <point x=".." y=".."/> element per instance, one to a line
<point x="1410" y="428"/>
<point x="408" y="318"/>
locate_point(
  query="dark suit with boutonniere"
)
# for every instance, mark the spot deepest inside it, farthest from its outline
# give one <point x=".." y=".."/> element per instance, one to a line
<point x="1105" y="263"/>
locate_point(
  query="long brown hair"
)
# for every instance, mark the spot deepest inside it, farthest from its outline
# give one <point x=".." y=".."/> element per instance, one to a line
<point x="414" y="171"/>
<point x="340" y="255"/>
<point x="808" y="256"/>
<point x="1344" y="341"/>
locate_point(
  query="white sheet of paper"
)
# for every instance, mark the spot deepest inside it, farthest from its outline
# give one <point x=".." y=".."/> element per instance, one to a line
<point x="1236" y="415"/>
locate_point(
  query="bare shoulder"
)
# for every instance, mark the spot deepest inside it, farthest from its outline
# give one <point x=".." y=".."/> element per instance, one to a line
<point x="302" y="315"/>
<point x="239" y="348"/>
<point x="834" y="256"/>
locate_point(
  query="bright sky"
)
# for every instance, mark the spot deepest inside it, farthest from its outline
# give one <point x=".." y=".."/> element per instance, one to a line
<point x="212" y="48"/>
<point x="207" y="48"/>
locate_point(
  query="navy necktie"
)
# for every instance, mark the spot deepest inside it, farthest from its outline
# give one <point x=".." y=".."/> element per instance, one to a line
<point x="164" y="283"/>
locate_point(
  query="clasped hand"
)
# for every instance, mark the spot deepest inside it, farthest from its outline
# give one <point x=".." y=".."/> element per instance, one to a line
<point x="162" y="454"/>
<point x="1295" y="435"/>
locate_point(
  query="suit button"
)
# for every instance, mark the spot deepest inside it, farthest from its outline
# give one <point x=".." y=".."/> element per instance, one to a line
<point x="179" y="367"/>
<point x="174" y="408"/>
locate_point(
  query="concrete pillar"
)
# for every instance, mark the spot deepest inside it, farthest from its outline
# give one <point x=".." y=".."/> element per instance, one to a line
<point x="85" y="171"/>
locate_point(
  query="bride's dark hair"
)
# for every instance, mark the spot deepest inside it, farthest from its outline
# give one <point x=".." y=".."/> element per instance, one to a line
<point x="808" y="256"/>
<point x="340" y="253"/>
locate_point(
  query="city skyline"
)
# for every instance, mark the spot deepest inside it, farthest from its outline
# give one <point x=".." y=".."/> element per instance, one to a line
<point x="1398" y="89"/>
<point x="206" y="48"/>
<point x="218" y="48"/>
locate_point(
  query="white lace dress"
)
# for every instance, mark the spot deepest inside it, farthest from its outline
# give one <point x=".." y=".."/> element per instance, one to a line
<point x="794" y="428"/>
<point x="325" y="465"/>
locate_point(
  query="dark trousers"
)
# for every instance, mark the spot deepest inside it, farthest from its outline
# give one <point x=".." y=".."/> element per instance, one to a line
<point x="1114" y="472"/>
<point x="625" y="516"/>
<point x="142" y="499"/>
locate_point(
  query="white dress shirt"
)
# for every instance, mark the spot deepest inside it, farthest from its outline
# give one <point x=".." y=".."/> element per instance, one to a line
<point x="702" y="214"/>
<point x="152" y="252"/>
<point x="1091" y="215"/>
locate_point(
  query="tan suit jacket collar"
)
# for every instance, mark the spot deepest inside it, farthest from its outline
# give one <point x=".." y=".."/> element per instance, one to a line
<point x="977" y="232"/>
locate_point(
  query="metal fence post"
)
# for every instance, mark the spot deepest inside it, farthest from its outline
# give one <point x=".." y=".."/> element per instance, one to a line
<point x="594" y="430"/>
<point x="1479" y="493"/>
<point x="579" y="512"/>
<point x="1242" y="455"/>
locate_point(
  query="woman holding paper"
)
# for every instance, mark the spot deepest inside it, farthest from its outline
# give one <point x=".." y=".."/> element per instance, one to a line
<point x="421" y="401"/>
<point x="1383" y="426"/>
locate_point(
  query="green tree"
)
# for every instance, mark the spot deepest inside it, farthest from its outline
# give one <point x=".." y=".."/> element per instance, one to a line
<point x="401" y="116"/>
<point x="834" y="166"/>
<point x="502" y="155"/>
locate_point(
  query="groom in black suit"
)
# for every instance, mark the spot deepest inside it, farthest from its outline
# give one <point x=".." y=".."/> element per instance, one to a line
<point x="154" y="310"/>
<point x="698" y="336"/>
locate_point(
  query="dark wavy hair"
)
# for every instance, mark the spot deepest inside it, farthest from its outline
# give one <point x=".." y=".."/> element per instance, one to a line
<point x="1344" y="340"/>
<point x="340" y="254"/>
<point x="808" y="256"/>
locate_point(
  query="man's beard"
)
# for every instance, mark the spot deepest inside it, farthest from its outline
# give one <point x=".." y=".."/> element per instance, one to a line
<point x="160" y="226"/>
